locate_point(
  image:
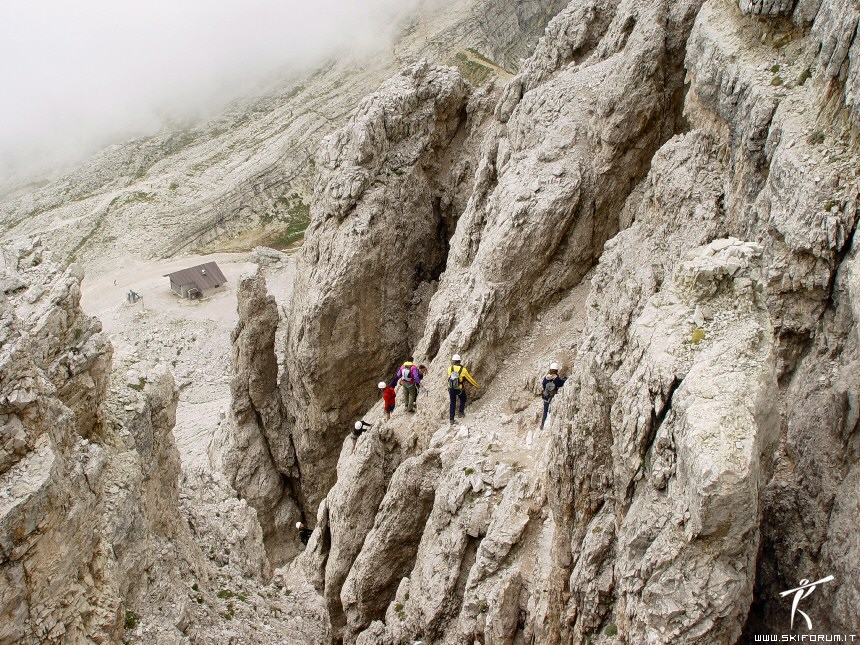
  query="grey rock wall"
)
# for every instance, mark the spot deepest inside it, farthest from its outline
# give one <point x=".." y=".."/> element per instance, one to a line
<point x="375" y="248"/>
<point x="700" y="166"/>
<point x="665" y="199"/>
<point x="88" y="476"/>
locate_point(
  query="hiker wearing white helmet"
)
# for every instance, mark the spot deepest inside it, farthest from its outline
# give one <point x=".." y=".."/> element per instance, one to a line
<point x="304" y="533"/>
<point x="389" y="396"/>
<point x="457" y="373"/>
<point x="550" y="386"/>
<point x="357" y="430"/>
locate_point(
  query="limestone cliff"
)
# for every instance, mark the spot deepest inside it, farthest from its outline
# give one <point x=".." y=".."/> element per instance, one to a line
<point x="95" y="543"/>
<point x="88" y="482"/>
<point x="254" y="451"/>
<point x="664" y="198"/>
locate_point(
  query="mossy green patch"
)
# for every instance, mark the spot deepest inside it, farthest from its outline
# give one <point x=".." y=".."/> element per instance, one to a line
<point x="781" y="41"/>
<point x="137" y="197"/>
<point x="473" y="71"/>
<point x="294" y="213"/>
<point x="480" y="56"/>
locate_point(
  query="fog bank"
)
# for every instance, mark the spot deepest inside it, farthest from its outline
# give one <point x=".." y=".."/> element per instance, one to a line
<point x="76" y="76"/>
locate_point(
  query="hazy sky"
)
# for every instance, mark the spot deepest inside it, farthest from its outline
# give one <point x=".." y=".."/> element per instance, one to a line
<point x="77" y="74"/>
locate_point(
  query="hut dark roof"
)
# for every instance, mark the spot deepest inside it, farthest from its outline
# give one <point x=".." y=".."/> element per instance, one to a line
<point x="205" y="276"/>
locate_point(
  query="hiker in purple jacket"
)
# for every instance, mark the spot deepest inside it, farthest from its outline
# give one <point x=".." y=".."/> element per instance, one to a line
<point x="410" y="378"/>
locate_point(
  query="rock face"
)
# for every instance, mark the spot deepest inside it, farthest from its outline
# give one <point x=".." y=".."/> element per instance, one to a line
<point x="375" y="574"/>
<point x="552" y="180"/>
<point x="255" y="450"/>
<point x="358" y="306"/>
<point x="96" y="544"/>
<point x="696" y="408"/>
<point x="697" y="165"/>
<point x="663" y="199"/>
<point x="88" y="482"/>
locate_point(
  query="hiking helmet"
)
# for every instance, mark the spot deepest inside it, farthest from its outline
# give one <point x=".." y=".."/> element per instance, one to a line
<point x="554" y="367"/>
<point x="381" y="385"/>
<point x="456" y="357"/>
<point x="299" y="525"/>
<point x="358" y="425"/>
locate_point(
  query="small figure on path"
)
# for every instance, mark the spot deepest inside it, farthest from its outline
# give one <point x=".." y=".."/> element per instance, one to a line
<point x="550" y="386"/>
<point x="304" y="533"/>
<point x="422" y="372"/>
<point x="357" y="430"/>
<point x="389" y="396"/>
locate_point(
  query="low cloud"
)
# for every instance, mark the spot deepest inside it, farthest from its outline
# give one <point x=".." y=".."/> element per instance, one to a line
<point x="75" y="76"/>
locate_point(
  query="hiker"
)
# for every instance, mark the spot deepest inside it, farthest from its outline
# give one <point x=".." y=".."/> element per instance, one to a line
<point x="422" y="372"/>
<point x="304" y="533"/>
<point x="551" y="384"/>
<point x="410" y="379"/>
<point x="357" y="430"/>
<point x="456" y="374"/>
<point x="389" y="395"/>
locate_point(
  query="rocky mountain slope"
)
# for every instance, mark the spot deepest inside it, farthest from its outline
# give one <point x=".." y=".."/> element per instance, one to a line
<point x="663" y="198"/>
<point x="98" y="543"/>
<point x="253" y="167"/>
<point x="173" y="555"/>
<point x="699" y="163"/>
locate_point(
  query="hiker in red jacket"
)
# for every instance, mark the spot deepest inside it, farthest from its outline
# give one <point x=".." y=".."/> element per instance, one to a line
<point x="389" y="395"/>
